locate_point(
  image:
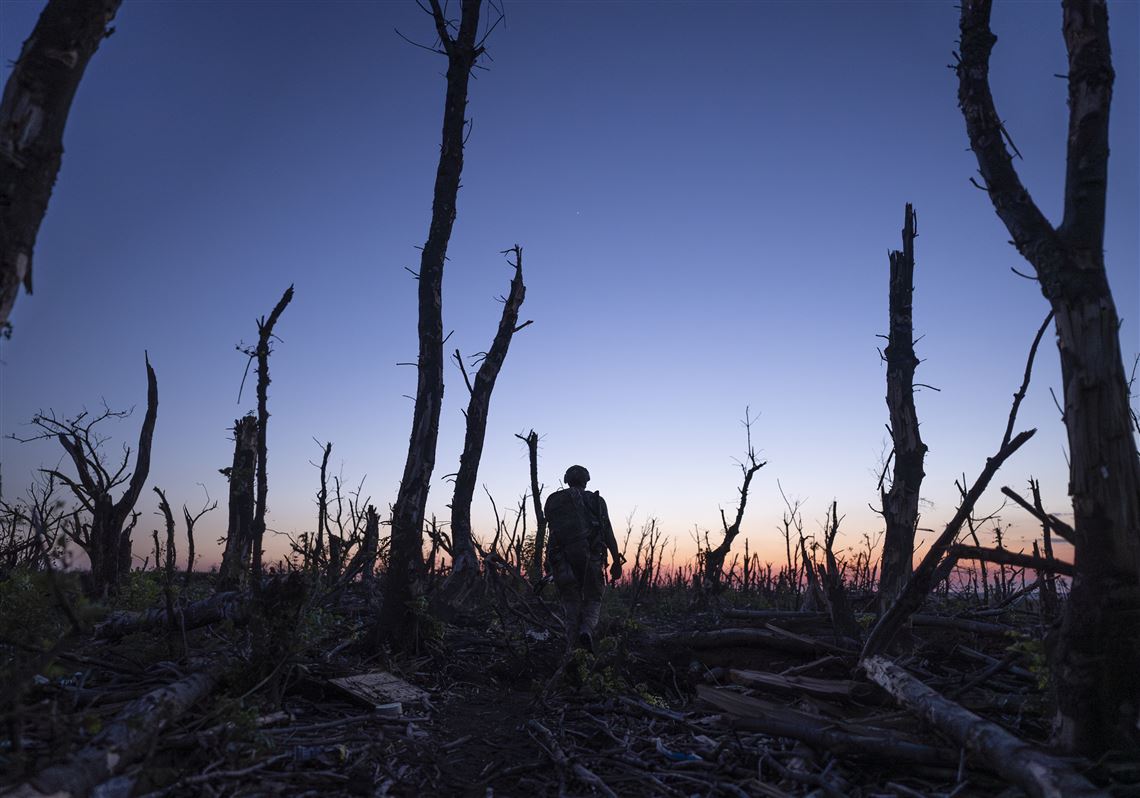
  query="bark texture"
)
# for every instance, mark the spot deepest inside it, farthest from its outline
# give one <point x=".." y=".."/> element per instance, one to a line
<point x="33" y="113"/>
<point x="405" y="569"/>
<point x="239" y="531"/>
<point x="478" y="407"/>
<point x="900" y="503"/>
<point x="1096" y="655"/>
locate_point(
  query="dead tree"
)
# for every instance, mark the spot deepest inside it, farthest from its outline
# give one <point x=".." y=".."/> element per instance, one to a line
<point x="900" y="503"/>
<point x="464" y="564"/>
<point x="322" y="512"/>
<point x="370" y="547"/>
<point x="405" y="568"/>
<point x="106" y="539"/>
<point x="842" y="616"/>
<point x="1097" y="652"/>
<point x="239" y="530"/>
<point x="264" y="335"/>
<point x="531" y="441"/>
<point x="926" y="575"/>
<point x="33" y="113"/>
<point x="714" y="558"/>
<point x="191" y="520"/>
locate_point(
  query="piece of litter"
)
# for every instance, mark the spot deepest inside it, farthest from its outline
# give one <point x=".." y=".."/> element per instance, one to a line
<point x="384" y="691"/>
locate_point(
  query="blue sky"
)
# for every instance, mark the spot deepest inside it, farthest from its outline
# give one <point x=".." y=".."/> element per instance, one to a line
<point x="705" y="193"/>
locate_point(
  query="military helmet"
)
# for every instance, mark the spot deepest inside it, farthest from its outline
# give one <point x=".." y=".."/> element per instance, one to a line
<point x="576" y="475"/>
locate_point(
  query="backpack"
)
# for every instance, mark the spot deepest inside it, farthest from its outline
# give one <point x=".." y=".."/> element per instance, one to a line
<point x="573" y="520"/>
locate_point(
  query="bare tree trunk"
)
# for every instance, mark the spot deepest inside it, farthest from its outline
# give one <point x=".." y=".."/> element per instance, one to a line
<point x="531" y="441"/>
<point x="842" y="616"/>
<point x="370" y="546"/>
<point x="264" y="335"/>
<point x="464" y="564"/>
<point x="1096" y="654"/>
<point x="239" y="531"/>
<point x="33" y="113"/>
<point x="322" y="512"/>
<point x="405" y="569"/>
<point x="927" y="574"/>
<point x="168" y="566"/>
<point x="900" y="503"/>
<point x="191" y="520"/>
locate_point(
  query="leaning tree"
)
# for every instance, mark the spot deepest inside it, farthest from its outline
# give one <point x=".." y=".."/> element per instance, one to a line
<point x="1095" y="655"/>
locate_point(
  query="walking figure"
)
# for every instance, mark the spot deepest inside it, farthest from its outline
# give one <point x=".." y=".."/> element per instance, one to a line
<point x="580" y="538"/>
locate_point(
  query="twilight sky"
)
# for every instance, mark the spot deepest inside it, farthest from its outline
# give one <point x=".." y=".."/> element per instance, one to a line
<point x="705" y="193"/>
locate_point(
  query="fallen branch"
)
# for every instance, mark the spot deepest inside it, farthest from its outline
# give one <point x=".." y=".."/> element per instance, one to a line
<point x="1006" y="557"/>
<point x="1055" y="524"/>
<point x="1039" y="774"/>
<point x="546" y="739"/>
<point x="774" y="638"/>
<point x="124" y="740"/>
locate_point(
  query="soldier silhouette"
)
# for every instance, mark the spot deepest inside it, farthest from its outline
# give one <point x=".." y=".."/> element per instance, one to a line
<point x="581" y="535"/>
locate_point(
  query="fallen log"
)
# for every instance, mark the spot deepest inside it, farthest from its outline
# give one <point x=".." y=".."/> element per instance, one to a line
<point x="802" y="685"/>
<point x="964" y="625"/>
<point x="219" y="607"/>
<point x="1038" y="773"/>
<point x="837" y="738"/>
<point x="780" y="640"/>
<point x="776" y="616"/>
<point x="125" y="739"/>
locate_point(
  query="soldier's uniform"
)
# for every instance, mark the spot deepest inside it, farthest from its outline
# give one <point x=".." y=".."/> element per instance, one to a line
<point x="576" y="556"/>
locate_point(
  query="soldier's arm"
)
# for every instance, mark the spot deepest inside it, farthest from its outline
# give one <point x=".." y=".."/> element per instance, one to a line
<point x="608" y="530"/>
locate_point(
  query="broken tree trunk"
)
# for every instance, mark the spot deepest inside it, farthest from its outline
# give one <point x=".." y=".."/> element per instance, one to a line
<point x="37" y="99"/>
<point x="842" y="616"/>
<point x="404" y="583"/>
<point x="239" y="531"/>
<point x="322" y="515"/>
<point x="531" y="440"/>
<point x="1039" y="774"/>
<point x="1097" y="652"/>
<point x="370" y="546"/>
<point x="123" y="741"/>
<point x="464" y="564"/>
<point x="264" y="335"/>
<point x="900" y="503"/>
